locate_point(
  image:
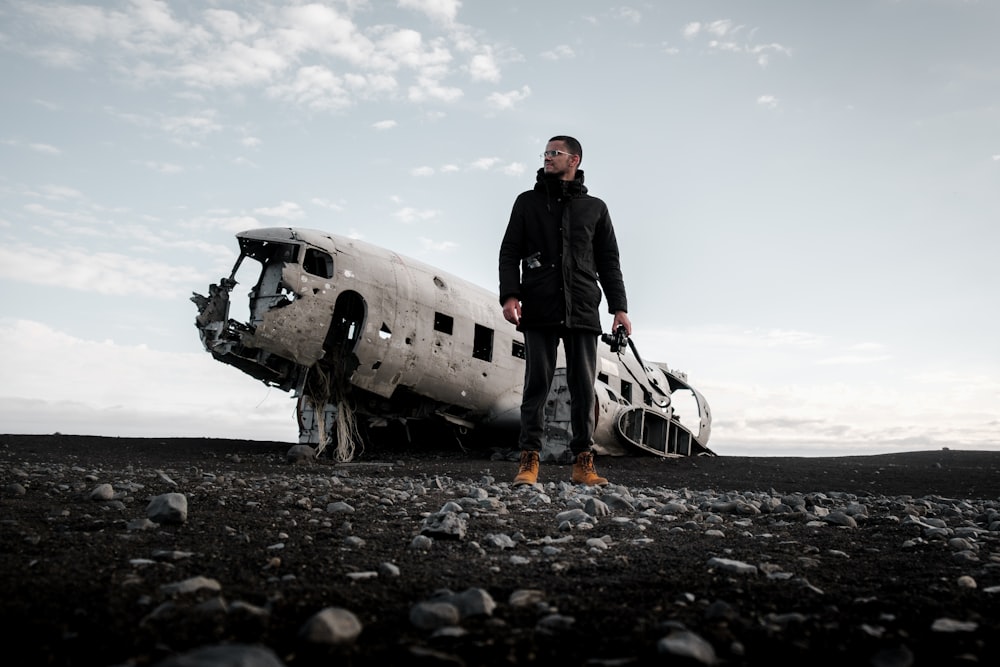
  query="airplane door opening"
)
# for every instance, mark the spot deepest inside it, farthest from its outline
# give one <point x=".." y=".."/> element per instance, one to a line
<point x="347" y="323"/>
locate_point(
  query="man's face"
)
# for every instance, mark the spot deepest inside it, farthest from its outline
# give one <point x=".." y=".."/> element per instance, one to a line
<point x="558" y="161"/>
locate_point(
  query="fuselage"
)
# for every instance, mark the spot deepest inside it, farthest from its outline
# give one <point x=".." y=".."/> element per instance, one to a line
<point x="403" y="339"/>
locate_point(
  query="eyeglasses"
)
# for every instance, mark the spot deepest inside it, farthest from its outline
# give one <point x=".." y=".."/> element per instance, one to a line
<point x="554" y="154"/>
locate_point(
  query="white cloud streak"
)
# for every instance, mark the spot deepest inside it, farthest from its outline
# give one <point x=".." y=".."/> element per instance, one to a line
<point x="510" y="99"/>
<point x="130" y="391"/>
<point x="721" y="36"/>
<point x="768" y="101"/>
<point x="107" y="273"/>
<point x="561" y="52"/>
<point x="286" y="210"/>
<point x="409" y="215"/>
<point x="311" y="55"/>
<point x="47" y="149"/>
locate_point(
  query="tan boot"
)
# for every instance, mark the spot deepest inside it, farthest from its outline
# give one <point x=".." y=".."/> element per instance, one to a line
<point x="584" y="472"/>
<point x="528" y="472"/>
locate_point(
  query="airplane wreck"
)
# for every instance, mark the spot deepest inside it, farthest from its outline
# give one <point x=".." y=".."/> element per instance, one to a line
<point x="363" y="336"/>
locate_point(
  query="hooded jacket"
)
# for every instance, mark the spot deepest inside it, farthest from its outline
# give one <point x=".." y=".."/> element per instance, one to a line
<point x="558" y="253"/>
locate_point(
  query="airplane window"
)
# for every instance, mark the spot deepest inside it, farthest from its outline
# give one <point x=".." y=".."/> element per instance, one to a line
<point x="318" y="263"/>
<point x="647" y="397"/>
<point x="517" y="349"/>
<point x="627" y="390"/>
<point x="602" y="377"/>
<point x="444" y="323"/>
<point x="482" y="343"/>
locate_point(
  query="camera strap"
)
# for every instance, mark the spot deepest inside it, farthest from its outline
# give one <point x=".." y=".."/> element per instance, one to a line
<point x="651" y="386"/>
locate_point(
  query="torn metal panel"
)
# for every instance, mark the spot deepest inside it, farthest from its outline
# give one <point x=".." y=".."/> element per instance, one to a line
<point x="295" y="331"/>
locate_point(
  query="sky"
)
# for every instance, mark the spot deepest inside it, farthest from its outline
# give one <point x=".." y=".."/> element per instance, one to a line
<point x="806" y="194"/>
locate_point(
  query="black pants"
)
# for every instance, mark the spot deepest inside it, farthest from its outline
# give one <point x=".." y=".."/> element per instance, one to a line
<point x="541" y="349"/>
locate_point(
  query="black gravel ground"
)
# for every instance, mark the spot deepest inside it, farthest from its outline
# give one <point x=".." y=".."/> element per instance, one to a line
<point x="78" y="587"/>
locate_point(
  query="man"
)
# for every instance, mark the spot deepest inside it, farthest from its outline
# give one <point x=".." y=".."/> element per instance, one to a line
<point x="558" y="244"/>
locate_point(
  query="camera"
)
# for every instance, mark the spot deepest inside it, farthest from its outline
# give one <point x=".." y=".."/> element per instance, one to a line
<point x="617" y="339"/>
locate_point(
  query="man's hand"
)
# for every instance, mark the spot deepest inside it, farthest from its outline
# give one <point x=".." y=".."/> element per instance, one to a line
<point x="512" y="310"/>
<point x="621" y="319"/>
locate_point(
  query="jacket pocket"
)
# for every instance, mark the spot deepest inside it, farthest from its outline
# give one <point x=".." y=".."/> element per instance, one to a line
<point x="543" y="278"/>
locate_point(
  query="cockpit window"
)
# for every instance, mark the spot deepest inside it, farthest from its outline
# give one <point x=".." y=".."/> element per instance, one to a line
<point x="318" y="263"/>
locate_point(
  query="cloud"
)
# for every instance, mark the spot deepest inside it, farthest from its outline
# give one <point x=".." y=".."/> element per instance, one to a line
<point x="250" y="142"/>
<point x="298" y="31"/>
<point x="79" y="215"/>
<point x="45" y="104"/>
<point x="627" y="14"/>
<point x="514" y="169"/>
<point x="326" y="203"/>
<point x="286" y="210"/>
<point x="408" y="215"/>
<point x="231" y="65"/>
<point x="57" y="382"/>
<point x="107" y="273"/>
<point x="427" y="90"/>
<point x="384" y="124"/>
<point x="161" y="167"/>
<point x="186" y="129"/>
<point x="780" y="338"/>
<point x="483" y="67"/>
<point x="479" y="164"/>
<point x="313" y="55"/>
<point x="768" y="101"/>
<point x="230" y="26"/>
<point x="484" y="163"/>
<point x="722" y="36"/>
<point x="86" y="23"/>
<point x="404" y="48"/>
<point x="242" y="161"/>
<point x="197" y="124"/>
<point x="444" y="11"/>
<point x="560" y="52"/>
<point x="764" y="51"/>
<point x="437" y="246"/>
<point x="223" y="222"/>
<point x="315" y="87"/>
<point x="509" y="99"/>
<point x="722" y="28"/>
<point x="59" y="192"/>
<point x="786" y="388"/>
<point x="47" y="149"/>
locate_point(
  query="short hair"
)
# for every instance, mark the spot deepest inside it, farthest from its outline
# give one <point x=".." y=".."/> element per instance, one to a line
<point x="572" y="144"/>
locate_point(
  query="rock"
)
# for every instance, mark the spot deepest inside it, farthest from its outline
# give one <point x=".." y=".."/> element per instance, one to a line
<point x="732" y="566"/>
<point x="686" y="644"/>
<point x="433" y="615"/>
<point x="170" y="508"/>
<point x="300" y="455"/>
<point x="102" y="492"/>
<point x="333" y="625"/>
<point x="230" y="655"/>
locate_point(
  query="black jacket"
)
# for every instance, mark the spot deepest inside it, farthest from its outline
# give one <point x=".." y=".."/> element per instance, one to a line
<point x="558" y="244"/>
